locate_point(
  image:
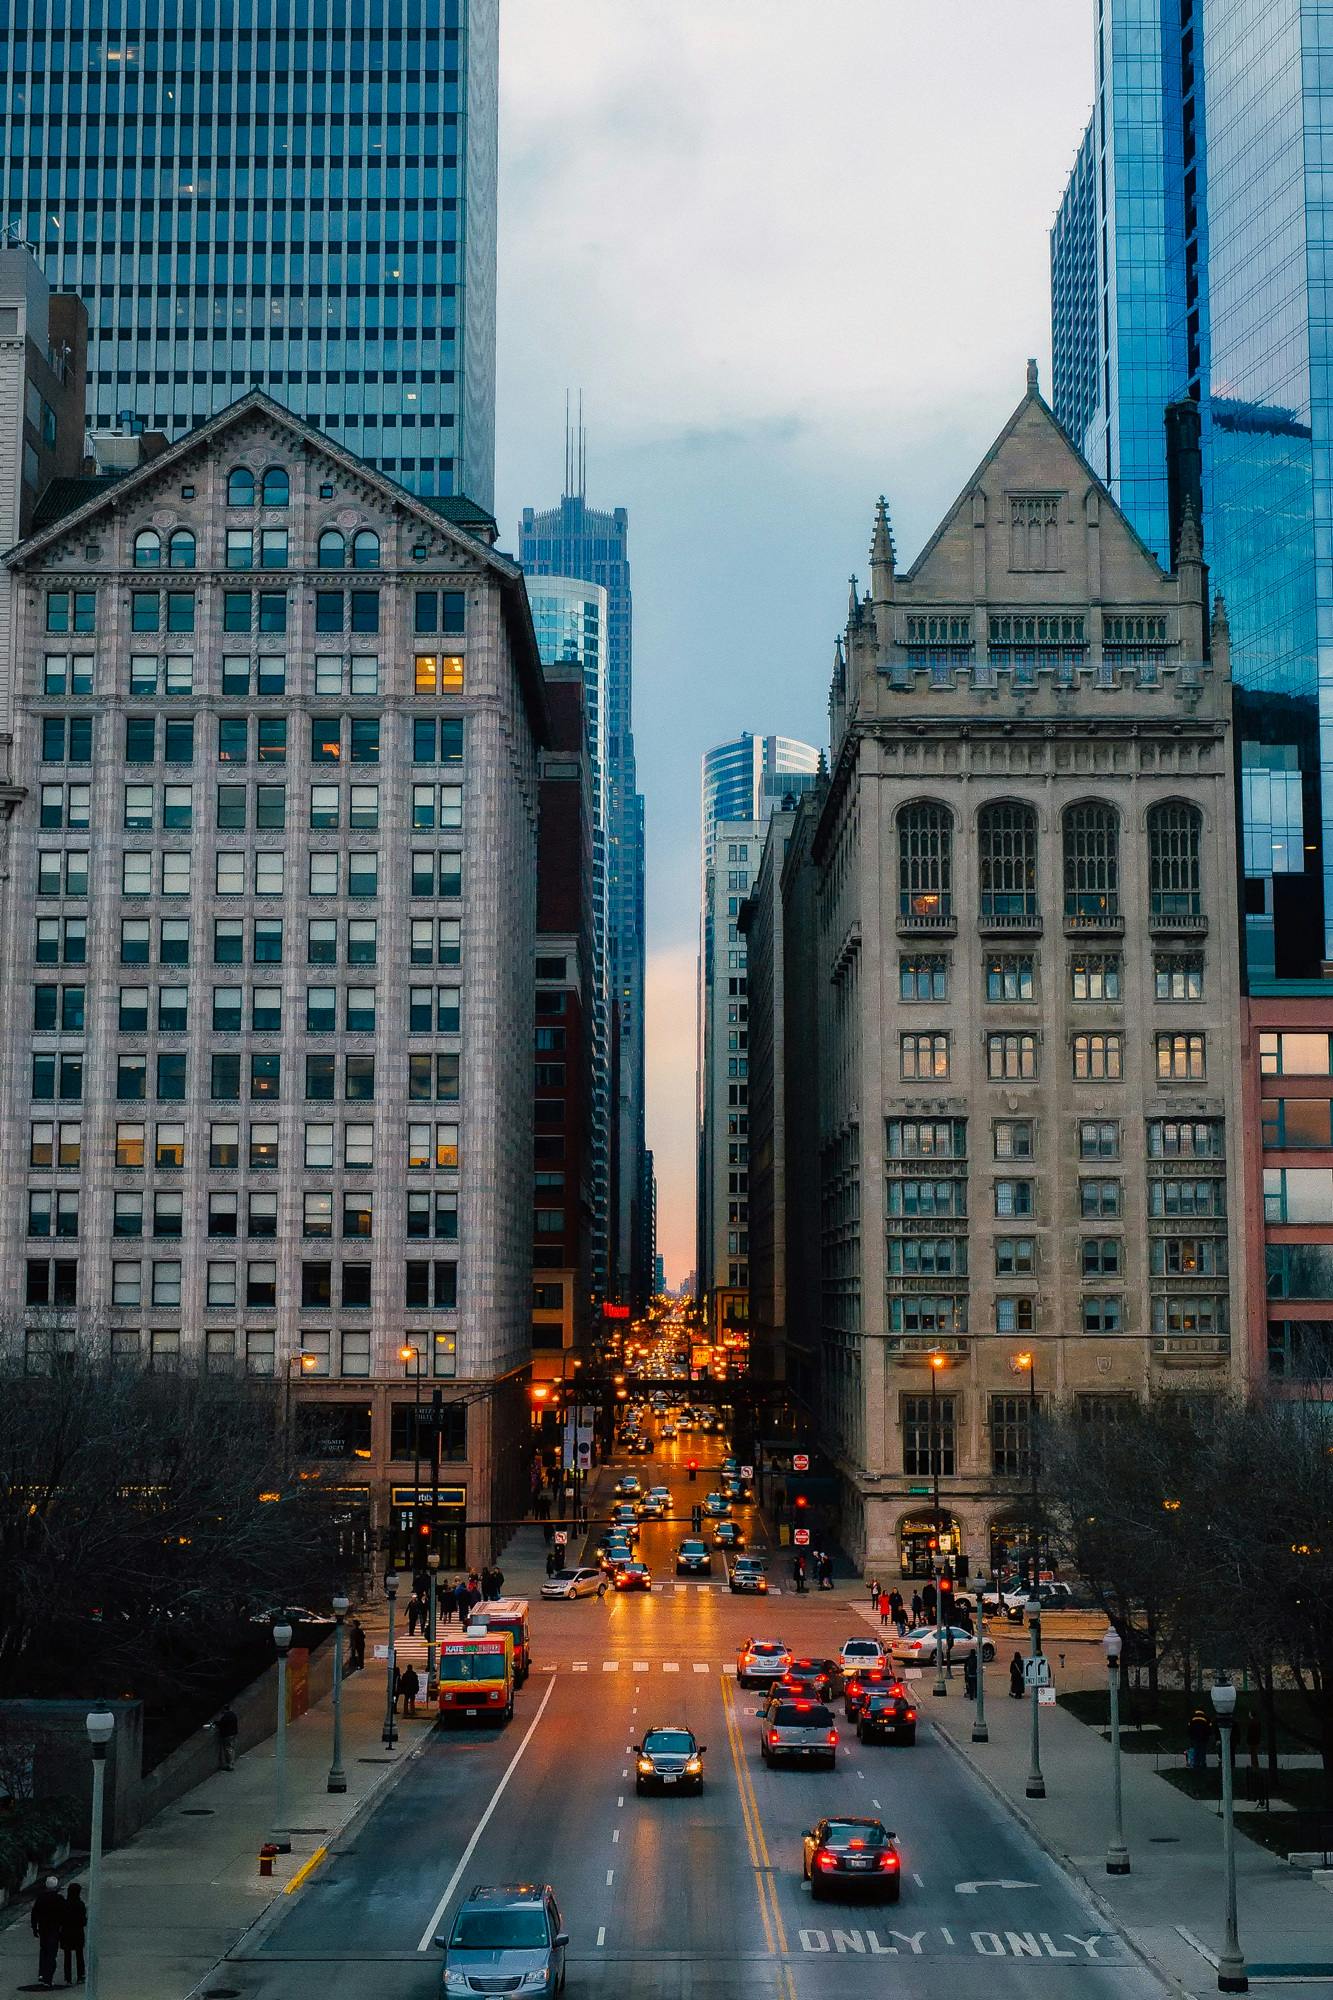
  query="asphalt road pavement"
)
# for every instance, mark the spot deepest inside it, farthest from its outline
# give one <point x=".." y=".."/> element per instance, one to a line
<point x="673" y="1896"/>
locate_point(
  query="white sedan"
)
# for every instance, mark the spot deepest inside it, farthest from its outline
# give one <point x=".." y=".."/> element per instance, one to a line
<point x="575" y="1583"/>
<point x="917" y="1648"/>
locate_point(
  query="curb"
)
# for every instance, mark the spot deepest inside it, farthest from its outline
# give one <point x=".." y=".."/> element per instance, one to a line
<point x="1063" y="1862"/>
<point x="267" y="1918"/>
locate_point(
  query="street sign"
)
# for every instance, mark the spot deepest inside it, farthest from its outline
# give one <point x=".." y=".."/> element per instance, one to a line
<point x="747" y="1472"/>
<point x="802" y="1538"/>
<point x="1037" y="1671"/>
<point x="800" y="1461"/>
<point x="585" y="1455"/>
<point x="1046" y="1697"/>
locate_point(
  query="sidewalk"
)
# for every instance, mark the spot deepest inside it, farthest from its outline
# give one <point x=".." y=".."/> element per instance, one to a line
<point x="1175" y="1842"/>
<point x="180" y="1894"/>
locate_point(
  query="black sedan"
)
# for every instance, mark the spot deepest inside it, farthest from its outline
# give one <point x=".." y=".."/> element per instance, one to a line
<point x="847" y="1857"/>
<point x="669" y="1759"/>
<point x="887" y="1715"/>
<point x="693" y="1558"/>
<point x="820" y="1679"/>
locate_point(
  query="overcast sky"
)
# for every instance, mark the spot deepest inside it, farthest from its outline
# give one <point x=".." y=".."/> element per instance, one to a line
<point x="790" y="268"/>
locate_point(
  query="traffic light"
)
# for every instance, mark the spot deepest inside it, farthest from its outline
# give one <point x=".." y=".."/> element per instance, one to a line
<point x="946" y="1595"/>
<point x="801" y="1500"/>
<point x="694" y="1468"/>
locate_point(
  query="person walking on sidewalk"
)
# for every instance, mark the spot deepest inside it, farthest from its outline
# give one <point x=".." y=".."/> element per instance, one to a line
<point x="356" y="1647"/>
<point x="970" y="1677"/>
<point x="884" y="1607"/>
<point x="798" y="1575"/>
<point x="444" y="1603"/>
<point x="461" y="1603"/>
<point x="1016" y="1688"/>
<point x="413" y="1613"/>
<point x="410" y="1685"/>
<point x="73" y="1930"/>
<point x="872" y="1584"/>
<point x="897" y="1612"/>
<point x="48" y="1920"/>
<point x="1200" y="1732"/>
<point x="228" y="1729"/>
<point x="916" y="1608"/>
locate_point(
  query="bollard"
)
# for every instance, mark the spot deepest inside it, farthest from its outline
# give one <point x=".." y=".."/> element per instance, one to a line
<point x="266" y="1854"/>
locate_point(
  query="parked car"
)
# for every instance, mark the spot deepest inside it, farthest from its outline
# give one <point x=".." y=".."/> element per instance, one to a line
<point x="918" y="1648"/>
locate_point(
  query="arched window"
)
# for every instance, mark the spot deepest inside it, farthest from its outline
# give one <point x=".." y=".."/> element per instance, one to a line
<point x="1007" y="837"/>
<point x="181" y="549"/>
<point x="332" y="549"/>
<point x="365" y="549"/>
<point x="925" y="864"/>
<point x="1092" y="863"/>
<point x="147" y="549"/>
<point x="1175" y="836"/>
<point x="240" y="487"/>
<point x="277" y="487"/>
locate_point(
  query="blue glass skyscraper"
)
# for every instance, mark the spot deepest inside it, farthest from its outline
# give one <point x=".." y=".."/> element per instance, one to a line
<point x="1199" y="191"/>
<point x="293" y="194"/>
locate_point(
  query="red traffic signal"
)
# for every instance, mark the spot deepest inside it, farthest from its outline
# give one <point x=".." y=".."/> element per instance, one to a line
<point x="801" y="1500"/>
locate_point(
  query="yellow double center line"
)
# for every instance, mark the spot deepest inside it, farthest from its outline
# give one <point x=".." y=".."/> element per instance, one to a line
<point x="770" y="1914"/>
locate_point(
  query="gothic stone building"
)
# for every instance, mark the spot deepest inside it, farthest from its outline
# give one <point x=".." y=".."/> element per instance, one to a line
<point x="1029" y="1000"/>
<point x="266" y="1100"/>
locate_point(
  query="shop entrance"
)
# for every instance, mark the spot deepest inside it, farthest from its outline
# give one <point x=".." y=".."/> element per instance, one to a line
<point x="922" y="1546"/>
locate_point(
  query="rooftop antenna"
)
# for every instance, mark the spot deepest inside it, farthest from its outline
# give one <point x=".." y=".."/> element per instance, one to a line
<point x="583" y="453"/>
<point x="569" y="451"/>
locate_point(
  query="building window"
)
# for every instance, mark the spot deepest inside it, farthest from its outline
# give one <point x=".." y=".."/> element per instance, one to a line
<point x="1101" y="1256"/>
<point x="926" y="1138"/>
<point x="1095" y="976"/>
<point x="1007" y="839"/>
<point x="925" y="862"/>
<point x="1013" y="1139"/>
<point x="1102" y="1314"/>
<point x="1294" y="1054"/>
<point x="1034" y="531"/>
<point x="1010" y="977"/>
<point x="1015" y="1256"/>
<point x="1181" y="1058"/>
<point x="1205" y="1138"/>
<point x="1098" y="1198"/>
<point x="1178" y="975"/>
<point x="1099" y="1139"/>
<point x="1011" y="1058"/>
<point x="1187" y="1199"/>
<point x="933" y="1198"/>
<point x="1092" y="864"/>
<point x="1015" y="1198"/>
<point x="923" y="978"/>
<point x="1015" y="1312"/>
<point x="1206" y="1256"/>
<point x="929" y="1428"/>
<point x="1175" y="838"/>
<point x="1098" y="1058"/>
<point x="923" y="1057"/>
<point x="1012" y="1436"/>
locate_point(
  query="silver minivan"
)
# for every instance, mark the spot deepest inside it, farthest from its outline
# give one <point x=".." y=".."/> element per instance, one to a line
<point x="506" y="1940"/>
<point x="800" y="1730"/>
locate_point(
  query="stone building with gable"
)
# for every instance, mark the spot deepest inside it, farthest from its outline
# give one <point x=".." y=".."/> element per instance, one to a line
<point x="266" y="1096"/>
<point x="1028" y="996"/>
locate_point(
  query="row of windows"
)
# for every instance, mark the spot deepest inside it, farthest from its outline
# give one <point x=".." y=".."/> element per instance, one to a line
<point x="930" y="1427"/>
<point x="926" y="1057"/>
<point x="431" y="1078"/>
<point x="1007" y="838"/>
<point x="432" y="941"/>
<point x="1011" y="977"/>
<point x="944" y="1315"/>
<point x="429" y="1284"/>
<point x="267" y="548"/>
<point x="55" y="1212"/>
<point x="58" y="1146"/>
<point x="1096" y="1197"/>
<point x="149" y="739"/>
<point x="1016" y="1256"/>
<point x="172" y="675"/>
<point x="322" y="1431"/>
<point x="238" y="807"/>
<point x="239" y="872"/>
<point x="431" y="1009"/>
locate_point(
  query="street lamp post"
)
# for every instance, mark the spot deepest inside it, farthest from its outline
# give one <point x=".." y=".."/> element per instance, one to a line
<point x="980" y="1732"/>
<point x="337" y="1775"/>
<point x="1036" y="1784"/>
<point x="101" y="1727"/>
<point x="1117" y="1854"/>
<point x="410" y="1356"/>
<point x="1231" y="1974"/>
<point x="282" y="1639"/>
<point x="432" y="1684"/>
<point x="936" y="1363"/>
<point x="390" y="1736"/>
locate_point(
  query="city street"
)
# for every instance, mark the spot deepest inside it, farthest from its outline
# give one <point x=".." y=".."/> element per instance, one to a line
<point x="665" y="1896"/>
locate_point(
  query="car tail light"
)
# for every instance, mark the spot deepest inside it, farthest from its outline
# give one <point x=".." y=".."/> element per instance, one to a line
<point x="853" y="1689"/>
<point x="826" y="1860"/>
<point x="911" y="1715"/>
<point x="888" y="1861"/>
<point x="773" y="1739"/>
<point x="804" y="1705"/>
<point x="833" y="1736"/>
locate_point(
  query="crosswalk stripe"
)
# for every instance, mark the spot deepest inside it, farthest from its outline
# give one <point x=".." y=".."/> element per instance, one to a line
<point x="730" y="1668"/>
<point x="641" y="1666"/>
<point x="579" y="1667"/>
<point x="671" y="1666"/>
<point x="610" y="1666"/>
<point x="701" y="1667"/>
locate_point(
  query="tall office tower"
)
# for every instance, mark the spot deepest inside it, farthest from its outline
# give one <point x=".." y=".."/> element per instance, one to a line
<point x="571" y="620"/>
<point x="575" y="540"/>
<point x="1198" y="192"/>
<point x="294" y="197"/>
<point x="266" y="1090"/>
<point x="1026" y="968"/>
<point x="750" y="777"/>
<point x="722" y="1215"/>
<point x="766" y="1157"/>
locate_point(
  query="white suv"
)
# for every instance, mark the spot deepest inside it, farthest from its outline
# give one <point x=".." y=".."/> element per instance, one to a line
<point x="865" y="1652"/>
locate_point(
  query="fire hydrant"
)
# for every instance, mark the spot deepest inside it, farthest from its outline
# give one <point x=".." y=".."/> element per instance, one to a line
<point x="266" y="1854"/>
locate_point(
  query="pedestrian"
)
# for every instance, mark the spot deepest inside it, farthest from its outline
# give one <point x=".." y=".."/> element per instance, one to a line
<point x="970" y="1677"/>
<point x="1016" y="1686"/>
<point x="409" y="1682"/>
<point x="497" y="1581"/>
<point x="73" y="1929"/>
<point x="413" y="1614"/>
<point x="884" y="1607"/>
<point x="473" y="1592"/>
<point x="873" y="1586"/>
<point x="798" y="1574"/>
<point x="916" y="1609"/>
<point x="356" y="1647"/>
<point x="948" y="1651"/>
<point x="397" y="1686"/>
<point x="550" y="1562"/>
<point x="826" y="1571"/>
<point x="48" y="1920"/>
<point x="444" y="1603"/>
<point x="1200" y="1731"/>
<point x="895" y="1605"/>
<point x="421" y="1585"/>
<point x="462" y="1603"/>
<point x="928" y="1602"/>
<point x="228" y="1728"/>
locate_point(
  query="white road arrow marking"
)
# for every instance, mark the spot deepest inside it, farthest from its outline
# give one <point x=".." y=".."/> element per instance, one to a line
<point x="970" y="1888"/>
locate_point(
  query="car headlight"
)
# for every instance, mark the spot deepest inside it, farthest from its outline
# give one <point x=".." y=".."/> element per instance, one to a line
<point x="693" y="1768"/>
<point x="645" y="1767"/>
<point x="455" y="1981"/>
<point x="542" y="1978"/>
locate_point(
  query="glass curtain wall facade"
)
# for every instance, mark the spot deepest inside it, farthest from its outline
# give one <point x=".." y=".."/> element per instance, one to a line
<point x="1199" y="190"/>
<point x="574" y="540"/>
<point x="572" y="623"/>
<point x="274" y="194"/>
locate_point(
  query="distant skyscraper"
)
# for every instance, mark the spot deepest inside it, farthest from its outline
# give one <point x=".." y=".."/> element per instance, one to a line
<point x="574" y="540"/>
<point x="748" y="778"/>
<point x="295" y="197"/>
<point x="1187" y="267"/>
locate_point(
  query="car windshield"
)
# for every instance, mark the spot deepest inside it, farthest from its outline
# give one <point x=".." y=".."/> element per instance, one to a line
<point x="862" y="1648"/>
<point x="566" y="1575"/>
<point x="770" y="1649"/>
<point x="849" y="1832"/>
<point x="691" y="1548"/>
<point x="501" y="1930"/>
<point x="472" y="1666"/>
<point x="668" y="1742"/>
<point x="802" y="1715"/>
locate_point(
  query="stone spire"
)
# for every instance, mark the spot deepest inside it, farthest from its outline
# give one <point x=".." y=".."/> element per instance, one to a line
<point x="1221" y="627"/>
<point x="883" y="556"/>
<point x="1033" y="389"/>
<point x="1189" y="547"/>
<point x="853" y="606"/>
<point x="839" y="665"/>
